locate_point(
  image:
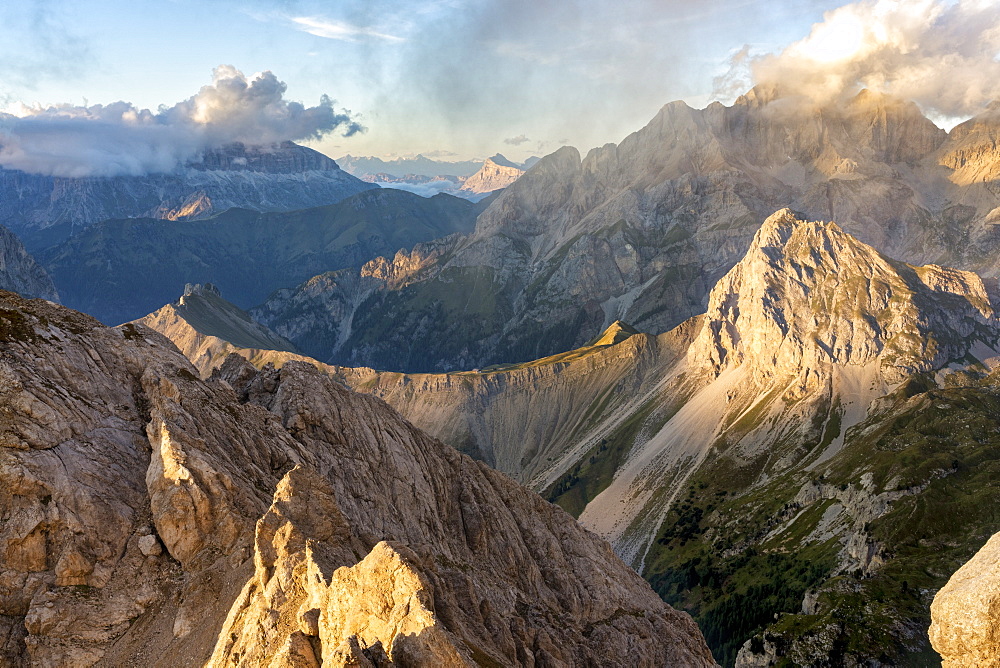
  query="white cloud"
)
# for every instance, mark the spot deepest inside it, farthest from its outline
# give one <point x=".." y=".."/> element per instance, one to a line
<point x="121" y="139"/>
<point x="941" y="54"/>
<point x="516" y="141"/>
<point x="340" y="30"/>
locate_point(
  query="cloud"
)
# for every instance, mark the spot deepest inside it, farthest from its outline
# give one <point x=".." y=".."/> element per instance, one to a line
<point x="941" y="54"/>
<point x="340" y="30"/>
<point x="516" y="141"/>
<point x="121" y="139"/>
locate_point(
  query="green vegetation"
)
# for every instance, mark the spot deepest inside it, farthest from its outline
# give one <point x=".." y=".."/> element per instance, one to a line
<point x="713" y="557"/>
<point x="596" y="469"/>
<point x="741" y="556"/>
<point x="14" y="326"/>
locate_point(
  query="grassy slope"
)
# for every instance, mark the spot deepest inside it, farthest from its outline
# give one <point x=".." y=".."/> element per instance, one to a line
<point x="741" y="558"/>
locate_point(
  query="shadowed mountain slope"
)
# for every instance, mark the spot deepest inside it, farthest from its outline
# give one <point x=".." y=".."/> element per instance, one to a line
<point x="19" y="272"/>
<point x="105" y="269"/>
<point x="44" y="210"/>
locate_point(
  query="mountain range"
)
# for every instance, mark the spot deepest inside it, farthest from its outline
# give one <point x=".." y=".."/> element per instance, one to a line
<point x="417" y="166"/>
<point x="44" y="210"/>
<point x="104" y="269"/>
<point x="786" y="425"/>
<point x="640" y="231"/>
<point x="494" y="173"/>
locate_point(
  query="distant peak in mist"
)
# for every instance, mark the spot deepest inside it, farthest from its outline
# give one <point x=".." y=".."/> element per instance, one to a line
<point x="119" y="139"/>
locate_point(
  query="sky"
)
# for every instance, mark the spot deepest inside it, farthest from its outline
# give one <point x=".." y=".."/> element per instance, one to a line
<point x="107" y="87"/>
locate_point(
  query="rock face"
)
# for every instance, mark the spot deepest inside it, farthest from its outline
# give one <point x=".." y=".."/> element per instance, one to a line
<point x="275" y="518"/>
<point x="495" y="174"/>
<point x="104" y="269"/>
<point x="965" y="629"/>
<point x="642" y="230"/>
<point x="44" y="209"/>
<point x="20" y="273"/>
<point x="807" y="295"/>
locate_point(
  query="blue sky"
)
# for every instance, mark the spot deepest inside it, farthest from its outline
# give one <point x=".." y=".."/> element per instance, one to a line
<point x="453" y="78"/>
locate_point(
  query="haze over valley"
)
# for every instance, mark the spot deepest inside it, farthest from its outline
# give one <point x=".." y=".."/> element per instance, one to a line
<point x="500" y="334"/>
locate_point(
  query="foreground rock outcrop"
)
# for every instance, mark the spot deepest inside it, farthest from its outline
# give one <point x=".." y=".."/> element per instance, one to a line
<point x="275" y="518"/>
<point x="965" y="627"/>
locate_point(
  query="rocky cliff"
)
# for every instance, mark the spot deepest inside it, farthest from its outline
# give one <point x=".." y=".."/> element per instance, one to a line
<point x="641" y="231"/>
<point x="44" y="210"/>
<point x="275" y="518"/>
<point x="19" y="272"/>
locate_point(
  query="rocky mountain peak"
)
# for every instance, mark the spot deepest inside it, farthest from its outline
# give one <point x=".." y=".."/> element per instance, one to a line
<point x="759" y="96"/>
<point x="200" y="289"/>
<point x="496" y="173"/>
<point x="807" y="295"/>
<point x="973" y="148"/>
<point x="206" y="327"/>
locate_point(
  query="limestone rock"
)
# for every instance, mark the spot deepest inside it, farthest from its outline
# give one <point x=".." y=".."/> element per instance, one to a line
<point x="150" y="546"/>
<point x="495" y="174"/>
<point x="965" y="629"/>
